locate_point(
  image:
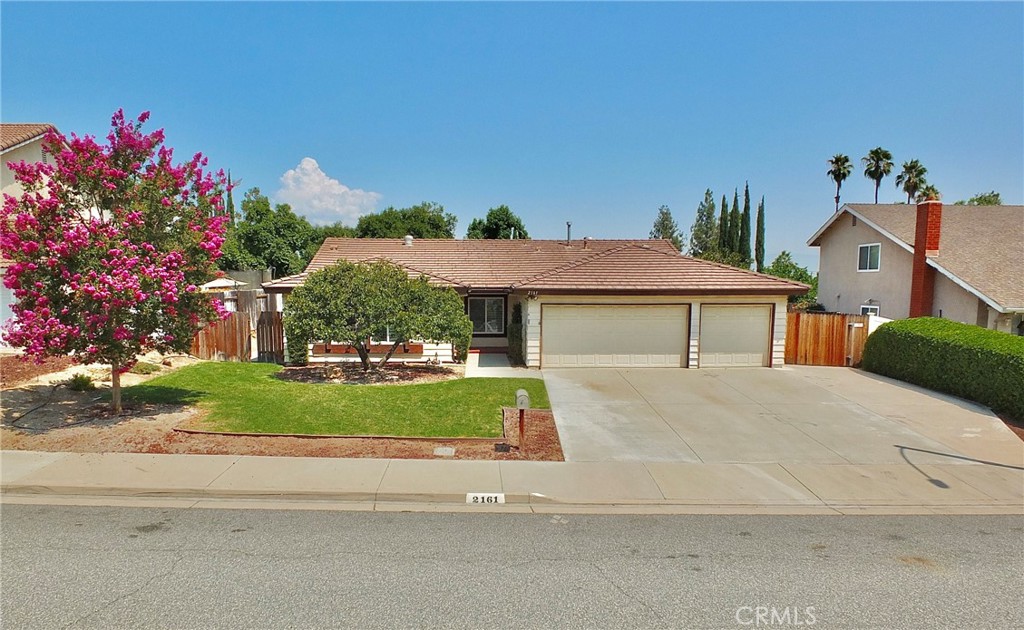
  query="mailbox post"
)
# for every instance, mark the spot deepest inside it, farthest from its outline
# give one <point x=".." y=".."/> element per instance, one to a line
<point x="522" y="403"/>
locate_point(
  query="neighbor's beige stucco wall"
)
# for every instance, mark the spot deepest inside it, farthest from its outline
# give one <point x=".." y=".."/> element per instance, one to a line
<point x="31" y="152"/>
<point x="954" y="303"/>
<point x="843" y="289"/>
<point x="532" y="315"/>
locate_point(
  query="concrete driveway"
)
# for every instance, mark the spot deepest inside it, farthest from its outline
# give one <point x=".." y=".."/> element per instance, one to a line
<point x="793" y="415"/>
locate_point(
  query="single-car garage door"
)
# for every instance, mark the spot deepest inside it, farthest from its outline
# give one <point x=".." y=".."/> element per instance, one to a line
<point x="576" y="335"/>
<point x="735" y="335"/>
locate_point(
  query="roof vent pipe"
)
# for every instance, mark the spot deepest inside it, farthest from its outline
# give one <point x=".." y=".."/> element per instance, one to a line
<point x="408" y="240"/>
<point x="568" y="232"/>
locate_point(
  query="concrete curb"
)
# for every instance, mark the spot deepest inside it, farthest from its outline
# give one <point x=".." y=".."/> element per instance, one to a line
<point x="451" y="502"/>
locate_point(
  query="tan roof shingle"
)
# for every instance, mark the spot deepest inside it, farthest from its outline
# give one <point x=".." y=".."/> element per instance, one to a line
<point x="596" y="266"/>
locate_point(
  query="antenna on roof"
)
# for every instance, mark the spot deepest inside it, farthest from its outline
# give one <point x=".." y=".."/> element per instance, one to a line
<point x="568" y="232"/>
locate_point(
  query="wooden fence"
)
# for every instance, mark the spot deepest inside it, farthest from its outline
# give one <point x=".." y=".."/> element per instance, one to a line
<point x="825" y="338"/>
<point x="270" y="337"/>
<point x="227" y="340"/>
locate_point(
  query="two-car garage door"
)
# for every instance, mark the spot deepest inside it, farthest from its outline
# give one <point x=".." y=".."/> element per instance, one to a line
<point x="577" y="335"/>
<point x="644" y="335"/>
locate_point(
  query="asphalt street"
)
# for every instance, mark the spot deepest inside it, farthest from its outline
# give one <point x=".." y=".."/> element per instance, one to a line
<point x="106" y="567"/>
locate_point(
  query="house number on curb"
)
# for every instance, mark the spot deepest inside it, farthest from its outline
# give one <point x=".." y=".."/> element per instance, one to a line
<point x="485" y="497"/>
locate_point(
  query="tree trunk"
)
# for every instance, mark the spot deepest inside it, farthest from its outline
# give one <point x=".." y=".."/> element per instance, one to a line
<point x="115" y="387"/>
<point x="877" y="184"/>
<point x="387" y="356"/>
<point x="364" y="355"/>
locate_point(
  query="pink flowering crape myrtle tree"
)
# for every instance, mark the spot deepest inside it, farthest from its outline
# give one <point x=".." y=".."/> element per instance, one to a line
<point x="108" y="244"/>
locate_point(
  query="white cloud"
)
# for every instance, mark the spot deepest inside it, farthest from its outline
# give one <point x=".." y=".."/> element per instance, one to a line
<point x="322" y="199"/>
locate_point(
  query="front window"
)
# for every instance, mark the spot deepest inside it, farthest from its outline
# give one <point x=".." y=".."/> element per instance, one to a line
<point x="867" y="309"/>
<point x="488" y="315"/>
<point x="868" y="259"/>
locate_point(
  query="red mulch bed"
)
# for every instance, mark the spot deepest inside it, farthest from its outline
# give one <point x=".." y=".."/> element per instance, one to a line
<point x="1017" y="426"/>
<point x="352" y="373"/>
<point x="14" y="369"/>
<point x="151" y="430"/>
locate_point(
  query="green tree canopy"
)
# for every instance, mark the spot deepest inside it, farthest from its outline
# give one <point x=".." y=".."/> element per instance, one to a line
<point x="724" y="246"/>
<point x="665" y="227"/>
<point x="928" y="191"/>
<point x="877" y="166"/>
<point x="839" y="168"/>
<point x="912" y="178"/>
<point x="991" y="198"/>
<point x="355" y="303"/>
<point x="744" y="249"/>
<point x="273" y="237"/>
<point x="501" y="223"/>
<point x="785" y="267"/>
<point x="424" y="220"/>
<point x="734" y="226"/>
<point x="759" y="238"/>
<point x="704" y="232"/>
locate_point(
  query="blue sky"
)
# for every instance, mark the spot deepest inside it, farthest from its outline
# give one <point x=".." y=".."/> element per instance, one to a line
<point x="590" y="113"/>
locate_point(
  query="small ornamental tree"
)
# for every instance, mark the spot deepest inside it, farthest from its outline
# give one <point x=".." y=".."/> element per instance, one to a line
<point x="356" y="303"/>
<point x="109" y="244"/>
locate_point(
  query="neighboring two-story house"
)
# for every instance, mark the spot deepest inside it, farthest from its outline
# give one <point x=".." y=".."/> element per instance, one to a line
<point x="963" y="263"/>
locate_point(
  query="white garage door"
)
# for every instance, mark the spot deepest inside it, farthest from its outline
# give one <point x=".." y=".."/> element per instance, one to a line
<point x="613" y="336"/>
<point x="735" y="335"/>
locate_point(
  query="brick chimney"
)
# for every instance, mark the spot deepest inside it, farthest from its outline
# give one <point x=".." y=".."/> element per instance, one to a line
<point x="926" y="243"/>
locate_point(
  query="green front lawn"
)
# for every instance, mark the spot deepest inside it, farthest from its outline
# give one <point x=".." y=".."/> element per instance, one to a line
<point x="247" y="398"/>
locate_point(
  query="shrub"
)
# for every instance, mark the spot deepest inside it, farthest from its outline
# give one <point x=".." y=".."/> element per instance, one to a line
<point x="143" y="367"/>
<point x="982" y="365"/>
<point x="81" y="383"/>
<point x="515" y="336"/>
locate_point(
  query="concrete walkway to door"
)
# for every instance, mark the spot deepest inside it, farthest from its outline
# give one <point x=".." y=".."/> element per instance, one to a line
<point x="804" y="416"/>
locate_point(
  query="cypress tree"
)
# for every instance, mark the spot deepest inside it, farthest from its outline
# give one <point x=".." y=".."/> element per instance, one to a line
<point x="759" y="237"/>
<point x="723" y="228"/>
<point x="231" y="201"/>
<point x="744" y="250"/>
<point x="734" y="224"/>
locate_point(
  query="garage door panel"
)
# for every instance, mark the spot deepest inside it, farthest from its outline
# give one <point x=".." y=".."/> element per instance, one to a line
<point x="613" y="335"/>
<point x="735" y="335"/>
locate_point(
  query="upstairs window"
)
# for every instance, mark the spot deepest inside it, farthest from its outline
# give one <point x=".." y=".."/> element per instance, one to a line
<point x="868" y="258"/>
<point x="868" y="309"/>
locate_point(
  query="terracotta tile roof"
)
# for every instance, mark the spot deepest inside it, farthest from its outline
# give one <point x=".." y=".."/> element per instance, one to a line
<point x="983" y="246"/>
<point x="601" y="266"/>
<point x="13" y="134"/>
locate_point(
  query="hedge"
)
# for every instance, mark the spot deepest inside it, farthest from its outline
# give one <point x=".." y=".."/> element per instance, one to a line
<point x="986" y="366"/>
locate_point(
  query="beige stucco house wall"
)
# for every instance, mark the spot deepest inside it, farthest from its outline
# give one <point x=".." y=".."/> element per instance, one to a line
<point x="30" y="152"/>
<point x="844" y="289"/>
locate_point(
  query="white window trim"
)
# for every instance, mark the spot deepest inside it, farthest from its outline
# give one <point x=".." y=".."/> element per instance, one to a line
<point x="869" y="309"/>
<point x="862" y="246"/>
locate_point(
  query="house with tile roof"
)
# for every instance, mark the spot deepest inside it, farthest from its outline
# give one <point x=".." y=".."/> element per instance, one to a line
<point x="18" y="141"/>
<point x="894" y="260"/>
<point x="592" y="303"/>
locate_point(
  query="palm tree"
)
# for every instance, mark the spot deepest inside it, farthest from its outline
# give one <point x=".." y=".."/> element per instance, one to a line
<point x="877" y="165"/>
<point x="927" y="192"/>
<point x="839" y="168"/>
<point x="911" y="179"/>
